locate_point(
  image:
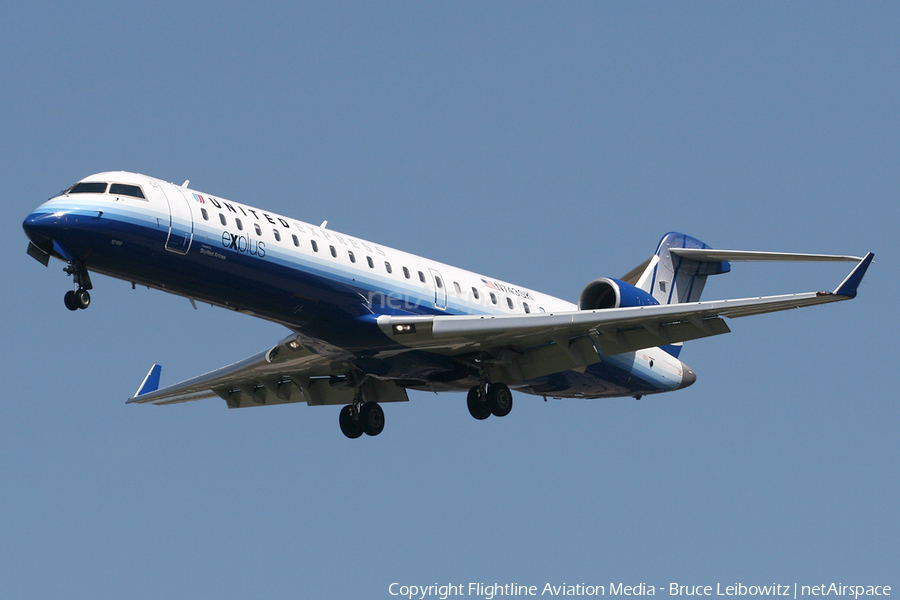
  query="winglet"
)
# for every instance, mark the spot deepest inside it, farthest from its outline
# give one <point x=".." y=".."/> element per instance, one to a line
<point x="151" y="381"/>
<point x="851" y="283"/>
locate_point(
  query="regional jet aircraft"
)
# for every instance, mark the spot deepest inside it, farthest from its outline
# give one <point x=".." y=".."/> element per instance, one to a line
<point x="367" y="322"/>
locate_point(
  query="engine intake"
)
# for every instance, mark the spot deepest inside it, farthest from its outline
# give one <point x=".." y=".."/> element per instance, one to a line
<point x="612" y="293"/>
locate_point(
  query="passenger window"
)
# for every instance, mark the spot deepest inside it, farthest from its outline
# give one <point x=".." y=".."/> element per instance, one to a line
<point x="315" y="246"/>
<point x="333" y="251"/>
<point x="222" y="219"/>
<point x="122" y="189"/>
<point x="421" y="276"/>
<point x="240" y="225"/>
<point x="457" y="288"/>
<point x="406" y="272"/>
<point x="296" y="241"/>
<point x="525" y="306"/>
<point x="475" y="293"/>
<point x="205" y="214"/>
<point x="277" y="235"/>
<point x="91" y="187"/>
<point x="509" y="302"/>
<point x="369" y="260"/>
<point x="258" y="230"/>
<point x="493" y="298"/>
<point x="439" y="283"/>
<point x="352" y="257"/>
<point x="387" y="267"/>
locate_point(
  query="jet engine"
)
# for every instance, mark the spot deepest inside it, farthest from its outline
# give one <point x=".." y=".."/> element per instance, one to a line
<point x="612" y="293"/>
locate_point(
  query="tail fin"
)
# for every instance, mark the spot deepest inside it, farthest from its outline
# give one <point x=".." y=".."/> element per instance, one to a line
<point x="671" y="278"/>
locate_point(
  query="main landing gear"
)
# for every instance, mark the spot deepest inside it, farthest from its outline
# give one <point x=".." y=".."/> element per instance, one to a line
<point x="497" y="401"/>
<point x="359" y="418"/>
<point x="79" y="297"/>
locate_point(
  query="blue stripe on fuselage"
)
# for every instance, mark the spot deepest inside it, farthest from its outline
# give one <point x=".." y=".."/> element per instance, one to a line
<point x="308" y="292"/>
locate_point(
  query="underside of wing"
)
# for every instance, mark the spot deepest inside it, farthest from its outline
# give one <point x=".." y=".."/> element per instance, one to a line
<point x="538" y="344"/>
<point x="288" y="372"/>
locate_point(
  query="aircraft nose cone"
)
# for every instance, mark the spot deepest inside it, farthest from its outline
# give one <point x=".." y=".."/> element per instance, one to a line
<point x="687" y="378"/>
<point x="39" y="226"/>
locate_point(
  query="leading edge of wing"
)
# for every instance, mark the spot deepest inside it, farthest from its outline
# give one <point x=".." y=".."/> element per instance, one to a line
<point x="665" y="324"/>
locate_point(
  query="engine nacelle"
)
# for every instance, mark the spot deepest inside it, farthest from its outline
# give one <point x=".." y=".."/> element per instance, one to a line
<point x="612" y="293"/>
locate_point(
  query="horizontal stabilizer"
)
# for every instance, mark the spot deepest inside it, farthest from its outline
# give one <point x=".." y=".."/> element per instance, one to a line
<point x="713" y="255"/>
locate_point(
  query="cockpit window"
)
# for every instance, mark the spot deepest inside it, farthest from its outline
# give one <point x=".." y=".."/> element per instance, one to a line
<point x="123" y="189"/>
<point x="89" y="187"/>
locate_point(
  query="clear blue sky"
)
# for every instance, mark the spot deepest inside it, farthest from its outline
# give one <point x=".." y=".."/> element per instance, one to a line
<point x="544" y="144"/>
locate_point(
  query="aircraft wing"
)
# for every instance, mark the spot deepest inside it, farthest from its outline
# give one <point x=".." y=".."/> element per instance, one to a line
<point x="538" y="344"/>
<point x="524" y="346"/>
<point x="287" y="372"/>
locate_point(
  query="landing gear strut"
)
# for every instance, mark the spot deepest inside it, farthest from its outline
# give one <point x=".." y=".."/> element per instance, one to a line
<point x="496" y="401"/>
<point x="79" y="297"/>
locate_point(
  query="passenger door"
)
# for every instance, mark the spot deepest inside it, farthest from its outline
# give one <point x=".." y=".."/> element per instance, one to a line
<point x="440" y="290"/>
<point x="181" y="224"/>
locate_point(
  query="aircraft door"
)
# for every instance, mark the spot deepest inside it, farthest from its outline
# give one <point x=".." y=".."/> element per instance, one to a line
<point x="440" y="290"/>
<point x="181" y="224"/>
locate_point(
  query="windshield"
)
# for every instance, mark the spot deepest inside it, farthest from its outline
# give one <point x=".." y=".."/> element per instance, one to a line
<point x="124" y="189"/>
<point x="89" y="187"/>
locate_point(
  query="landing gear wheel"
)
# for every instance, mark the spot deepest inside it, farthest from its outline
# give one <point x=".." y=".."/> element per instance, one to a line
<point x="350" y="425"/>
<point x="69" y="299"/>
<point x="478" y="407"/>
<point x="499" y="399"/>
<point x="371" y="418"/>
<point x="82" y="298"/>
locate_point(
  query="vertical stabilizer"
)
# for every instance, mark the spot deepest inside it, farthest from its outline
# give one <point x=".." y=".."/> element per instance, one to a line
<point x="672" y="279"/>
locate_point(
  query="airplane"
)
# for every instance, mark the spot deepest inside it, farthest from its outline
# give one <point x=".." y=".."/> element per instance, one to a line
<point x="368" y="322"/>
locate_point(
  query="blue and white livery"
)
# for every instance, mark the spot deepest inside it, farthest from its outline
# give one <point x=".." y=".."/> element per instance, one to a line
<point x="368" y="322"/>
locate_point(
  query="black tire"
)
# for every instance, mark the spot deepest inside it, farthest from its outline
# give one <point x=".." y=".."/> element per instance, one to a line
<point x="371" y="418"/>
<point x="478" y="408"/>
<point x="82" y="298"/>
<point x="69" y="299"/>
<point x="499" y="399"/>
<point x="349" y="426"/>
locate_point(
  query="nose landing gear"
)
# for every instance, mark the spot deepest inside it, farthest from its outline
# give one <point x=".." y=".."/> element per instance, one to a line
<point x="76" y="299"/>
<point x="79" y="297"/>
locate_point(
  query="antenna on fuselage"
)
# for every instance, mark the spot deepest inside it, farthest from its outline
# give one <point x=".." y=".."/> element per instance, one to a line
<point x="324" y="224"/>
<point x="186" y="183"/>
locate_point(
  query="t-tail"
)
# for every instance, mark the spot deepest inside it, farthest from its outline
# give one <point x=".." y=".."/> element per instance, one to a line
<point x="673" y="278"/>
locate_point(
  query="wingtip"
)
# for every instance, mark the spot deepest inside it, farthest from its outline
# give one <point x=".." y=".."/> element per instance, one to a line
<point x="850" y="285"/>
<point x="150" y="383"/>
